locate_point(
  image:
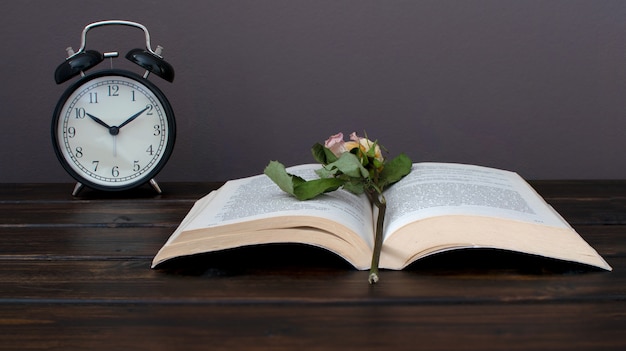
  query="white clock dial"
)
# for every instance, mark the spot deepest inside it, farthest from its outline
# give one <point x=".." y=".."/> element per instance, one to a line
<point x="113" y="131"/>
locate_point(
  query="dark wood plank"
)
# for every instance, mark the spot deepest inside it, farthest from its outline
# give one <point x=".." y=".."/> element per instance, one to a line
<point x="578" y="211"/>
<point x="221" y="281"/>
<point x="24" y="206"/>
<point x="74" y="274"/>
<point x="191" y="191"/>
<point x="608" y="240"/>
<point x="39" y="205"/>
<point x="311" y="326"/>
<point x="582" y="189"/>
<point x="41" y="242"/>
<point x="121" y="213"/>
<point x="62" y="192"/>
<point x="58" y="243"/>
<point x="43" y="206"/>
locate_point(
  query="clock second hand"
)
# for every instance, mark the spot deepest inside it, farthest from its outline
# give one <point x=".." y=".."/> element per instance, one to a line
<point x="116" y="129"/>
<point x="112" y="130"/>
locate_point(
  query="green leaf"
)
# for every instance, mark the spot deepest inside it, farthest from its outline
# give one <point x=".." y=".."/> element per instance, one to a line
<point x="371" y="152"/>
<point x="297" y="186"/>
<point x="349" y="165"/>
<point x="355" y="187"/>
<point x="377" y="163"/>
<point x="312" y="188"/>
<point x="326" y="173"/>
<point x="322" y="154"/>
<point x="395" y="170"/>
<point x="318" y="153"/>
<point x="278" y="174"/>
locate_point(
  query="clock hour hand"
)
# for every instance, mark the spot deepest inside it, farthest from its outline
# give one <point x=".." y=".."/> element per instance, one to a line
<point x="133" y="117"/>
<point x="99" y="121"/>
<point x="112" y="130"/>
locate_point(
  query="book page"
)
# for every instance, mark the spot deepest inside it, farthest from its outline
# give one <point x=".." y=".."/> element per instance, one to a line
<point x="258" y="197"/>
<point x="434" y="189"/>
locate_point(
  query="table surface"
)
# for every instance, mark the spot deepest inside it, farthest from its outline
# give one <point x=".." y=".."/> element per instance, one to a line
<point x="75" y="275"/>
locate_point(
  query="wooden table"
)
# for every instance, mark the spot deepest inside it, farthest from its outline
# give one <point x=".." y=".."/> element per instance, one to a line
<point x="75" y="275"/>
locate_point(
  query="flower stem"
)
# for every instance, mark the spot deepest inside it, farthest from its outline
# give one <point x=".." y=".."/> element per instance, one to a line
<point x="379" y="201"/>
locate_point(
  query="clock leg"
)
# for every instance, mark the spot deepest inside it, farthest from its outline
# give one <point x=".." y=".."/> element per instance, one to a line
<point x="77" y="188"/>
<point x="156" y="187"/>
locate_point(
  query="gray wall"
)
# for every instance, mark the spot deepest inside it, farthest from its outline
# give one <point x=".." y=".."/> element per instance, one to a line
<point x="532" y="86"/>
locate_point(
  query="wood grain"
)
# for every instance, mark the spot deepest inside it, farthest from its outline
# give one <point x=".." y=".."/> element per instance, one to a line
<point x="75" y="274"/>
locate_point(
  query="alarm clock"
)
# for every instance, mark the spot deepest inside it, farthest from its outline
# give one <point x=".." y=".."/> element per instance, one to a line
<point x="113" y="129"/>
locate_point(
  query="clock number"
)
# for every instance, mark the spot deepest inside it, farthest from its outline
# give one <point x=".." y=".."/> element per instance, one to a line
<point x="96" y="163"/>
<point x="132" y="96"/>
<point x="150" y="151"/>
<point x="79" y="152"/>
<point x="150" y="107"/>
<point x="71" y="132"/>
<point x="136" y="166"/>
<point x="93" y="98"/>
<point x="157" y="130"/>
<point x="114" y="90"/>
<point x="115" y="171"/>
<point x="80" y="113"/>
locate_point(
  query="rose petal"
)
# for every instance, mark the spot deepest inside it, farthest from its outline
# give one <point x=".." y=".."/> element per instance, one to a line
<point x="335" y="144"/>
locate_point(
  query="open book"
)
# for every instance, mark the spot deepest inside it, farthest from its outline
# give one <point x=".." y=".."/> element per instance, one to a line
<point x="437" y="207"/>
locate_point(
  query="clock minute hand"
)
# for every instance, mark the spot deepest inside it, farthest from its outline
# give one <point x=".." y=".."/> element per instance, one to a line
<point x="133" y="117"/>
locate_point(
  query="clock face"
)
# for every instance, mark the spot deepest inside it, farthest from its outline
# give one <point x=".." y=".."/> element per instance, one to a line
<point x="113" y="130"/>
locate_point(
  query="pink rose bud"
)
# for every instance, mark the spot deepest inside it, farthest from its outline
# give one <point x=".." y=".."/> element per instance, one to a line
<point x="336" y="144"/>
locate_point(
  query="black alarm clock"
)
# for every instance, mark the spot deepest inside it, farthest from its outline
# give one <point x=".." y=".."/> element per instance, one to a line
<point x="113" y="129"/>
